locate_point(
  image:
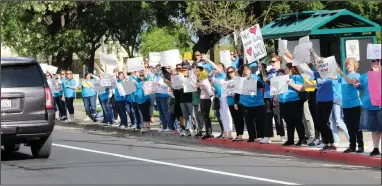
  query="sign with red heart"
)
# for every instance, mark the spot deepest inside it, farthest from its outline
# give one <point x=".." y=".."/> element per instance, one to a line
<point x="253" y="43"/>
<point x="253" y="30"/>
<point x="249" y="51"/>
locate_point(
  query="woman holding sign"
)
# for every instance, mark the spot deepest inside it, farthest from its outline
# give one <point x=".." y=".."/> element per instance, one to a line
<point x="252" y="106"/>
<point x="88" y="96"/>
<point x="70" y="86"/>
<point x="120" y="100"/>
<point x="57" y="95"/>
<point x="143" y="101"/>
<point x="371" y="116"/>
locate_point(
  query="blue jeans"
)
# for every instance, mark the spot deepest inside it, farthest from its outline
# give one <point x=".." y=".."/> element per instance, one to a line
<point x="108" y="111"/>
<point x="164" y="115"/>
<point x="131" y="112"/>
<point x="336" y="117"/>
<point x="122" y="112"/>
<point x="90" y="104"/>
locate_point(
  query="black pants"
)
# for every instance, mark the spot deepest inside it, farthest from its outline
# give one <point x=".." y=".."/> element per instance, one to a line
<point x="205" y="106"/>
<point x="218" y="117"/>
<point x="352" y="118"/>
<point x="312" y="108"/>
<point x="323" y="114"/>
<point x="254" y="118"/>
<point x="115" y="107"/>
<point x="69" y="105"/>
<point x="268" y="128"/>
<point x="292" y="114"/>
<point x="145" y="110"/>
<point x="61" y="106"/>
<point x="238" y="121"/>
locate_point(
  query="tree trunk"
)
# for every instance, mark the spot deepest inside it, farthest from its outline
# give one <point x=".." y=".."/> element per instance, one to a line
<point x="91" y="61"/>
<point x="205" y="43"/>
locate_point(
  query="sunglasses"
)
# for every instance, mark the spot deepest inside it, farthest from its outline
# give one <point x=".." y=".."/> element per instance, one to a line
<point x="229" y="72"/>
<point x="232" y="54"/>
<point x="197" y="55"/>
<point x="168" y="68"/>
<point x="273" y="61"/>
<point x="63" y="74"/>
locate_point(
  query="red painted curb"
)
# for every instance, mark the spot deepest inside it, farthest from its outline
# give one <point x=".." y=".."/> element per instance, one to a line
<point x="339" y="157"/>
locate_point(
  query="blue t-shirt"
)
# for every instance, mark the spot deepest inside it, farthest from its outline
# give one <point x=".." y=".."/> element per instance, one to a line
<point x="364" y="86"/>
<point x="87" y="91"/>
<point x="218" y="86"/>
<point x="140" y="96"/>
<point x="105" y="96"/>
<point x="337" y="92"/>
<point x="292" y="94"/>
<point x="208" y="66"/>
<point x="350" y="94"/>
<point x="324" y="88"/>
<point x="230" y="100"/>
<point x="235" y="63"/>
<point x="69" y="92"/>
<point x="253" y="101"/>
<point x="117" y="96"/>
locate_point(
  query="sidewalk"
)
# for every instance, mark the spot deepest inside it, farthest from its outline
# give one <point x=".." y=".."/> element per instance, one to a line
<point x="275" y="148"/>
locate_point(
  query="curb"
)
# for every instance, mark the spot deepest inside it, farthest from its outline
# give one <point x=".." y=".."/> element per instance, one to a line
<point x="338" y="157"/>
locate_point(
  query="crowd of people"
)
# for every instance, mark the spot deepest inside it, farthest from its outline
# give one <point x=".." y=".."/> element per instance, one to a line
<point x="313" y="106"/>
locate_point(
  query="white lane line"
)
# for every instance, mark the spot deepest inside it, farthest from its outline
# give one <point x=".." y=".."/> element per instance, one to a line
<point x="176" y="165"/>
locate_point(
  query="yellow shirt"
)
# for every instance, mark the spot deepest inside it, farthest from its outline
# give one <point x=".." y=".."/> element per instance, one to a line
<point x="306" y="79"/>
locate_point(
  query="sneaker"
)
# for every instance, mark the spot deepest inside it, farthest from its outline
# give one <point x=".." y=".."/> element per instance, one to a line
<point x="176" y="131"/>
<point x="325" y="148"/>
<point x="288" y="143"/>
<point x="124" y="127"/>
<point x="167" y="130"/>
<point x="310" y="140"/>
<point x="349" y="150"/>
<point x="283" y="139"/>
<point x="314" y="143"/>
<point x="265" y="140"/>
<point x="332" y="147"/>
<point x="321" y="145"/>
<point x="182" y="133"/>
<point x="161" y="130"/>
<point x="375" y="152"/>
<point x="251" y="140"/>
<point x="198" y="135"/>
<point x="360" y="150"/>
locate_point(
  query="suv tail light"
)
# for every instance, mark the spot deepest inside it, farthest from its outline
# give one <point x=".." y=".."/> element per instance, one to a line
<point x="48" y="99"/>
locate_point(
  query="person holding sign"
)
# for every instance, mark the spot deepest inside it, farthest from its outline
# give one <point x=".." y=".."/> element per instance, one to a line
<point x="107" y="107"/>
<point x="57" y="95"/>
<point x="161" y="98"/>
<point x="144" y="101"/>
<point x="371" y="116"/>
<point x="120" y="100"/>
<point x="291" y="107"/>
<point x="89" y="96"/>
<point x="70" y="86"/>
<point x="351" y="105"/>
<point x="186" y="105"/>
<point x="252" y="107"/>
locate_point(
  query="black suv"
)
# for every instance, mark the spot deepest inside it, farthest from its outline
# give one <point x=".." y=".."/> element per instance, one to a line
<point x="27" y="114"/>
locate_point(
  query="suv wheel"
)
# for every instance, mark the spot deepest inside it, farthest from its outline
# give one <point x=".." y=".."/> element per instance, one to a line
<point x="11" y="147"/>
<point x="42" y="148"/>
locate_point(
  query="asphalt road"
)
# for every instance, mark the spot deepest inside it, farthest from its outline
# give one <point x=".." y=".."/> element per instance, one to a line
<point x="83" y="158"/>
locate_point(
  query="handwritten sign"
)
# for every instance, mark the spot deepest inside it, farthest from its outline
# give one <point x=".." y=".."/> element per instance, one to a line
<point x="373" y="51"/>
<point x="109" y="59"/>
<point x="120" y="89"/>
<point x="177" y="81"/>
<point x="282" y="46"/>
<point x="149" y="87"/>
<point x="225" y="58"/>
<point x="107" y="80"/>
<point x="161" y="89"/>
<point x="245" y="86"/>
<point x="327" y="68"/>
<point x="352" y="49"/>
<point x="228" y="88"/>
<point x="374" y="85"/>
<point x="99" y="88"/>
<point x="170" y="58"/>
<point x="303" y="40"/>
<point x="129" y="87"/>
<point x="135" y="64"/>
<point x="301" y="53"/>
<point x="279" y="85"/>
<point x="253" y="43"/>
<point x="155" y="58"/>
<point x="187" y="87"/>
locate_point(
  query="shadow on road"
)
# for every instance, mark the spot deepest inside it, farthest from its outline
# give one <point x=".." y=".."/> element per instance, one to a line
<point x="13" y="156"/>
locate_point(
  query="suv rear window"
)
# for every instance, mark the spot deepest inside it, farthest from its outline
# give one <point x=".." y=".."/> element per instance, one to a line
<point x="21" y="76"/>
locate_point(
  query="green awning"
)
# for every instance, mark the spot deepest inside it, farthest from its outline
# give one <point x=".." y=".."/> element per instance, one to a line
<point x="318" y="23"/>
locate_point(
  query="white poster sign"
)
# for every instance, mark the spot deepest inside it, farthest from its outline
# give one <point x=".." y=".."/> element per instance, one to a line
<point x="129" y="87"/>
<point x="109" y="59"/>
<point x="170" y="58"/>
<point x="279" y="85"/>
<point x="301" y="53"/>
<point x="177" y="81"/>
<point x="135" y="64"/>
<point x="56" y="87"/>
<point x="328" y="67"/>
<point x="99" y="88"/>
<point x="187" y="84"/>
<point x="225" y="58"/>
<point x="245" y="86"/>
<point x="149" y="87"/>
<point x="161" y="89"/>
<point x="228" y="88"/>
<point x="303" y="40"/>
<point x="76" y="77"/>
<point x="120" y="89"/>
<point x="107" y="81"/>
<point x="352" y="49"/>
<point x="253" y="43"/>
<point x="44" y="67"/>
<point x="373" y="51"/>
<point x="282" y="46"/>
<point x="155" y="58"/>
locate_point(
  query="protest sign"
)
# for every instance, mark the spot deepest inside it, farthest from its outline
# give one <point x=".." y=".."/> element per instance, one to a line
<point x="120" y="89"/>
<point x="135" y="64"/>
<point x="161" y="89"/>
<point x="109" y="59"/>
<point x="129" y="87"/>
<point x="328" y="67"/>
<point x="301" y="53"/>
<point x="352" y="49"/>
<point x="303" y="40"/>
<point x="187" y="87"/>
<point x="374" y="86"/>
<point x="56" y="86"/>
<point x="170" y="58"/>
<point x="282" y="46"/>
<point x="99" y="88"/>
<point x="155" y="58"/>
<point x="228" y="88"/>
<point x="44" y="67"/>
<point x="373" y="51"/>
<point x="177" y="81"/>
<point x="253" y="43"/>
<point x="279" y="85"/>
<point x="225" y="58"/>
<point x="245" y="86"/>
<point x="149" y="87"/>
<point x="76" y="77"/>
<point x="238" y="84"/>
<point x="107" y="80"/>
<point x="187" y="56"/>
